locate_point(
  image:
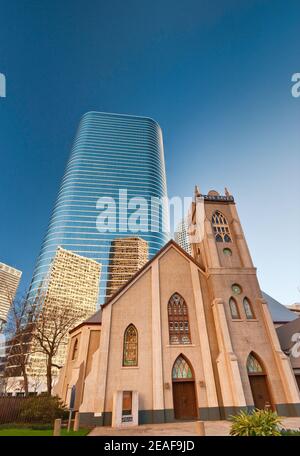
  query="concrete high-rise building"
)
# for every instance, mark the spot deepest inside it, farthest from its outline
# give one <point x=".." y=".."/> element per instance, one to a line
<point x="181" y="236"/>
<point x="114" y="158"/>
<point x="9" y="282"/>
<point x="128" y="255"/>
<point x="72" y="283"/>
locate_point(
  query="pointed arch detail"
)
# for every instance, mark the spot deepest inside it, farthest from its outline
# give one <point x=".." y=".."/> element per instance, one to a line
<point x="130" y="346"/>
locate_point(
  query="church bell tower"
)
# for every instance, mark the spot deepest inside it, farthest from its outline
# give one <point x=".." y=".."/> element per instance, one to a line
<point x="250" y="368"/>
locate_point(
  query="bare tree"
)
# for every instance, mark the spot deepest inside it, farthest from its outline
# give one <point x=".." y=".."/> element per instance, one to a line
<point x="36" y="382"/>
<point x="37" y="328"/>
<point x="12" y="386"/>
<point x="18" y="339"/>
<point x="51" y="335"/>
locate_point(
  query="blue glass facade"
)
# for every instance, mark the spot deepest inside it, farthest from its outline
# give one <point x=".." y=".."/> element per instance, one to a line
<point x="111" y="153"/>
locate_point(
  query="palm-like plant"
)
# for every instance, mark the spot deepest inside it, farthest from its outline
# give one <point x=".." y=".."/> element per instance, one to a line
<point x="256" y="423"/>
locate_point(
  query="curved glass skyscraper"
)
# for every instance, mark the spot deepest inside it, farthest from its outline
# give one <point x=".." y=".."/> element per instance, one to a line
<point x="114" y="159"/>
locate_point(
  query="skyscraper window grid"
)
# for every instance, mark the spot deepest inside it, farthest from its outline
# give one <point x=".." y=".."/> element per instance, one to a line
<point x="112" y="155"/>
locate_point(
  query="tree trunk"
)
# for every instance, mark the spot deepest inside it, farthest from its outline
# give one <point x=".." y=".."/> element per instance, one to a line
<point x="49" y="375"/>
<point x="25" y="378"/>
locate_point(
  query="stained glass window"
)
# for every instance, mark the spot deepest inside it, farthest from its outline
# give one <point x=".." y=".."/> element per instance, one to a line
<point x="234" y="310"/>
<point x="220" y="227"/>
<point x="181" y="369"/>
<point x="253" y="365"/>
<point x="248" y="309"/>
<point x="179" y="328"/>
<point x="130" y="349"/>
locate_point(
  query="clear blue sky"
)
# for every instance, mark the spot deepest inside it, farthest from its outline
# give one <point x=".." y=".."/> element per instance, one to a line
<point x="215" y="74"/>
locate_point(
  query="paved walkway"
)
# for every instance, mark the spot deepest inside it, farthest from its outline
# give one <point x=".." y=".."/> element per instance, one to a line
<point x="212" y="428"/>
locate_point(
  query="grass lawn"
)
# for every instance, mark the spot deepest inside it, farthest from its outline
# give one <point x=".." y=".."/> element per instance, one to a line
<point x="23" y="432"/>
<point x="291" y="432"/>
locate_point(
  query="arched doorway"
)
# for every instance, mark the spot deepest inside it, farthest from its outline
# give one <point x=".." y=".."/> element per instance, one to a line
<point x="258" y="382"/>
<point x="184" y="393"/>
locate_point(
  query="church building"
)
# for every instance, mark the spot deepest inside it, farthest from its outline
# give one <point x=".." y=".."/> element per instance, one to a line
<point x="187" y="337"/>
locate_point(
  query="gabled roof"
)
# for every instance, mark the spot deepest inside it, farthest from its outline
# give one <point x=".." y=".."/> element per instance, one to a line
<point x="96" y="318"/>
<point x="279" y="313"/>
<point x="146" y="266"/>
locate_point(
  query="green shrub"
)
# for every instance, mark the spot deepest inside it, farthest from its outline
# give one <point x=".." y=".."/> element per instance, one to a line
<point x="42" y="410"/>
<point x="258" y="422"/>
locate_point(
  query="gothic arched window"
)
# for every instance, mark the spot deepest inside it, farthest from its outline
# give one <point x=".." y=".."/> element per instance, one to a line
<point x="220" y="227"/>
<point x="179" y="326"/>
<point x="234" y="310"/>
<point x="130" y="346"/>
<point x="253" y="365"/>
<point x="181" y="369"/>
<point x="248" y="309"/>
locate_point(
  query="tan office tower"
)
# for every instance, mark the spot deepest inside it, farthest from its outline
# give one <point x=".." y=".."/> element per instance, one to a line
<point x="73" y="283"/>
<point x="9" y="282"/>
<point x="127" y="256"/>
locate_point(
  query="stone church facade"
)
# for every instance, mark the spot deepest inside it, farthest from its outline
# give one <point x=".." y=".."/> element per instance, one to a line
<point x="188" y="337"/>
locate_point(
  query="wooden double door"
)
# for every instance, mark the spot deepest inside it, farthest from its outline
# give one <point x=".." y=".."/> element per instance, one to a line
<point x="185" y="402"/>
<point x="260" y="391"/>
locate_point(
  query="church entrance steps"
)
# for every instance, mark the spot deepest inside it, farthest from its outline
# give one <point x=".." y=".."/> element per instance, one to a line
<point x="212" y="428"/>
